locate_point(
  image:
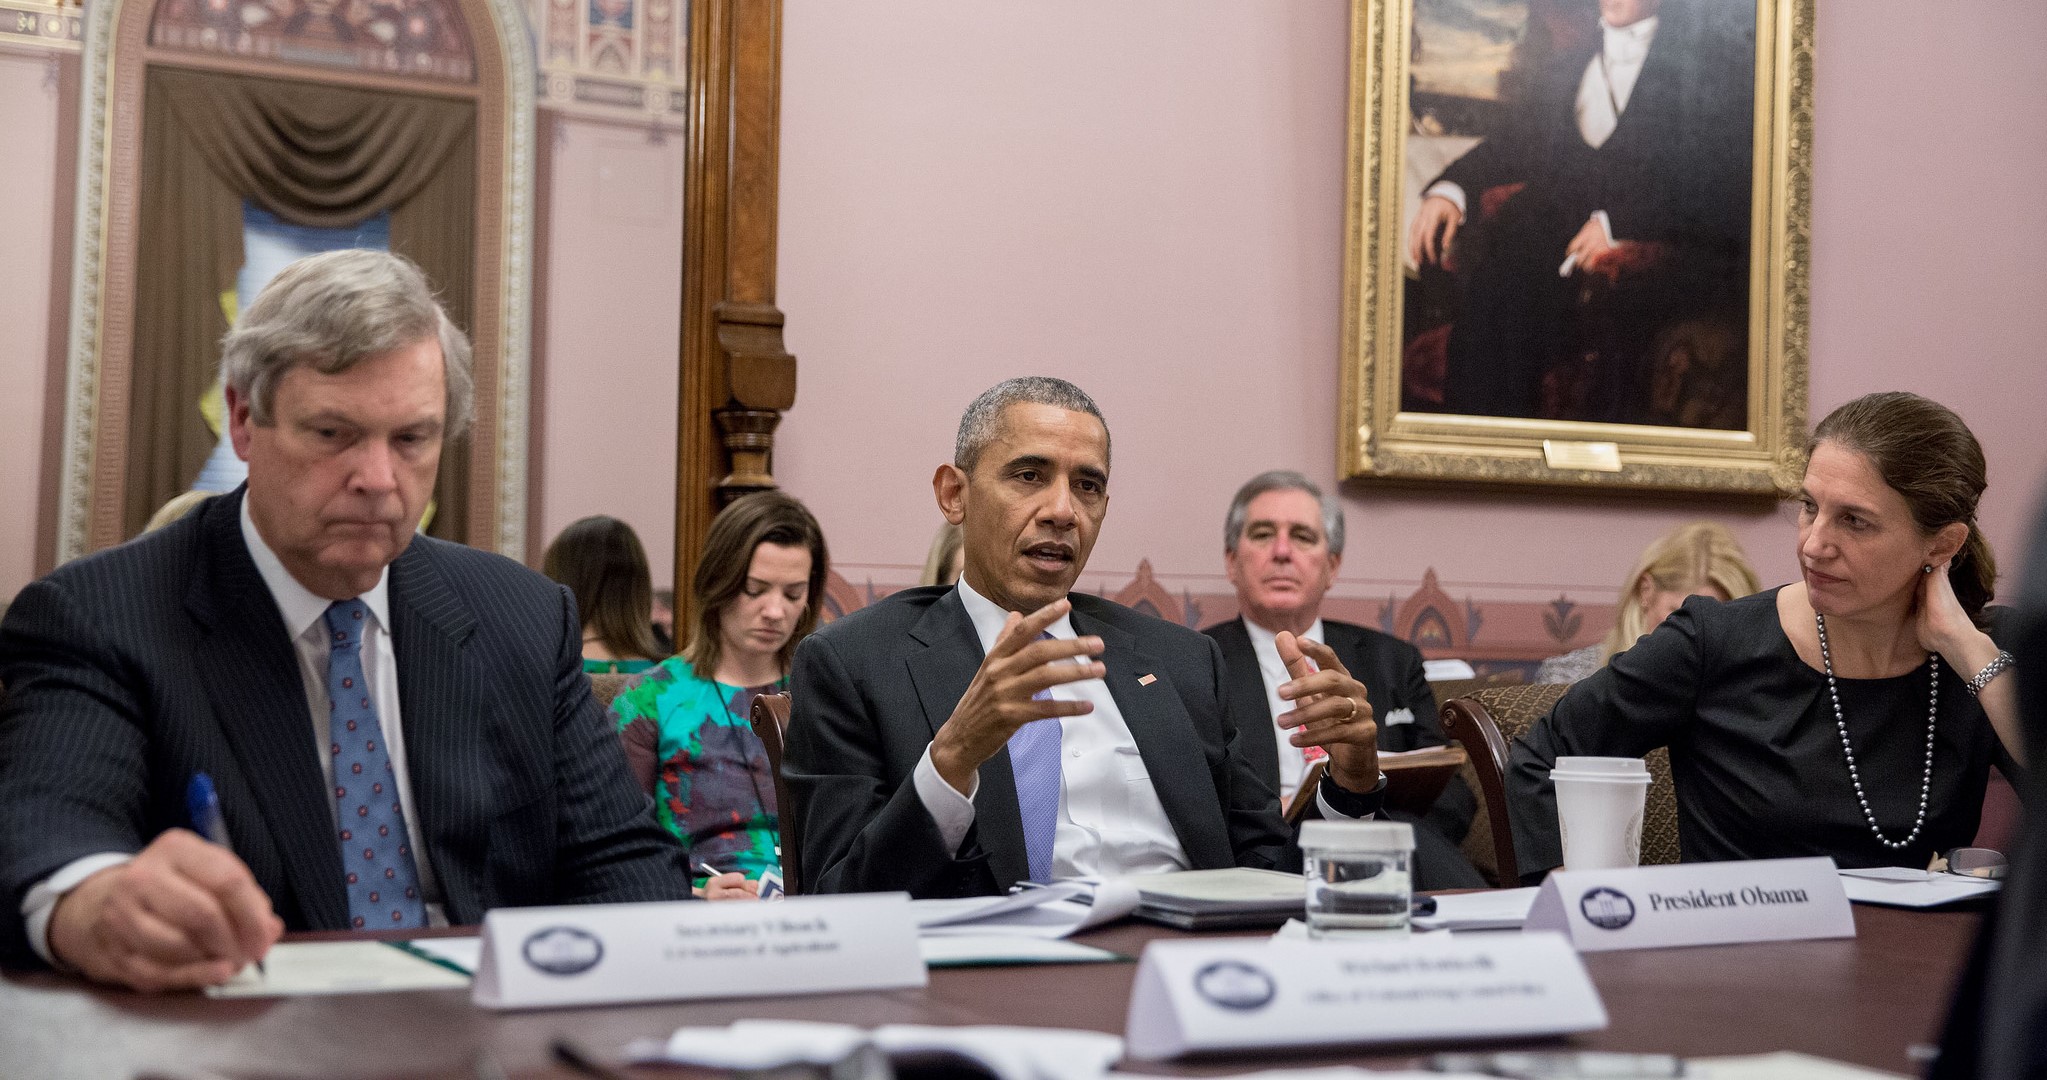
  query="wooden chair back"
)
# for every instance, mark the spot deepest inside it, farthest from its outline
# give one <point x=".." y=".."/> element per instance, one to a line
<point x="607" y="686"/>
<point x="770" y="719"/>
<point x="1414" y="780"/>
<point x="1486" y="722"/>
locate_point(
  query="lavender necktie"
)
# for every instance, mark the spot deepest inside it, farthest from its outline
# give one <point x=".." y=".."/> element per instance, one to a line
<point x="1034" y="760"/>
<point x="376" y="852"/>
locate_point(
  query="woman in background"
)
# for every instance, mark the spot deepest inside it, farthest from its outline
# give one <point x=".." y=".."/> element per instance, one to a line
<point x="942" y="565"/>
<point x="1699" y="559"/>
<point x="601" y="561"/>
<point x="685" y="723"/>
<point x="1854" y="713"/>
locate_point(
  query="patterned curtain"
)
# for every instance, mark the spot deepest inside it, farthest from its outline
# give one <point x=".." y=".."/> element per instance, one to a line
<point x="312" y="154"/>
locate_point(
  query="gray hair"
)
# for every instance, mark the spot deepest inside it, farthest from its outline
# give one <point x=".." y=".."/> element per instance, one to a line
<point x="1282" y="480"/>
<point x="334" y="310"/>
<point x="983" y="419"/>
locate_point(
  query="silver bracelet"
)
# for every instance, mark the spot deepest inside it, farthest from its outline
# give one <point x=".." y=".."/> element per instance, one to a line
<point x="1990" y="671"/>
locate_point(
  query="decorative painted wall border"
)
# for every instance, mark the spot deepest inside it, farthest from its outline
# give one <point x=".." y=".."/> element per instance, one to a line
<point x="42" y="24"/>
<point x="1495" y="636"/>
<point x="620" y="60"/>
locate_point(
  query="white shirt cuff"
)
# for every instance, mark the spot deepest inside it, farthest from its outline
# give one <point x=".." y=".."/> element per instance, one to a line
<point x="41" y="901"/>
<point x="1454" y="193"/>
<point x="951" y="811"/>
<point x="1605" y="226"/>
<point x="1329" y="812"/>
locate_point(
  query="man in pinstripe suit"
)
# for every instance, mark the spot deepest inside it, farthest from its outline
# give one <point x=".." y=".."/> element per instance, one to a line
<point x="398" y="729"/>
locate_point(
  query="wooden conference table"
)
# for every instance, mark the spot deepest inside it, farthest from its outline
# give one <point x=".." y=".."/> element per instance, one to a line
<point x="1864" y="1001"/>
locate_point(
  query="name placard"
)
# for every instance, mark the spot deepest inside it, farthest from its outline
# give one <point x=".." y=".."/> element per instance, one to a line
<point x="1723" y="903"/>
<point x="1195" y="996"/>
<point x="607" y="953"/>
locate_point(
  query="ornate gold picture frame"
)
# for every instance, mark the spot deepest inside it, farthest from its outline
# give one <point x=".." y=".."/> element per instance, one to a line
<point x="1619" y="299"/>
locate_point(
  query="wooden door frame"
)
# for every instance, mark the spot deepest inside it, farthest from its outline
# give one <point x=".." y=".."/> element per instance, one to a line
<point x="736" y="376"/>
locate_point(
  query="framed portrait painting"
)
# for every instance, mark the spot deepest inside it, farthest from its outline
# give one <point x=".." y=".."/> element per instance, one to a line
<point x="1576" y="243"/>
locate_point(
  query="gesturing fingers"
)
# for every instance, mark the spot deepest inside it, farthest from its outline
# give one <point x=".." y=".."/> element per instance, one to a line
<point x="1020" y="631"/>
<point x="1317" y="673"/>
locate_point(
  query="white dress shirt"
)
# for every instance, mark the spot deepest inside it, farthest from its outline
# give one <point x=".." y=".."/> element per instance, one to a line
<point x="1603" y="93"/>
<point x="1609" y="79"/>
<point x="1111" y="821"/>
<point x="303" y="615"/>
<point x="1293" y="760"/>
<point x="305" y="620"/>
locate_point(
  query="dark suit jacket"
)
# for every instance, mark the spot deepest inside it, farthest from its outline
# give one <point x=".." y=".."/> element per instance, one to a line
<point x="1676" y="167"/>
<point x="2000" y="1006"/>
<point x="870" y="690"/>
<point x="1391" y="670"/>
<point x="130" y="670"/>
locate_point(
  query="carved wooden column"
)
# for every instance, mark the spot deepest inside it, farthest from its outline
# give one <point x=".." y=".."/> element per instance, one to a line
<point x="736" y="376"/>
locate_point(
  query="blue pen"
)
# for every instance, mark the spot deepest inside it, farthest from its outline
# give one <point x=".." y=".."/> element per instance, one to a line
<point x="202" y="807"/>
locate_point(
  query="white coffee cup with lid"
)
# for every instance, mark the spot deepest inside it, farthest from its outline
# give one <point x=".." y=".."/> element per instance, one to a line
<point x="1600" y="803"/>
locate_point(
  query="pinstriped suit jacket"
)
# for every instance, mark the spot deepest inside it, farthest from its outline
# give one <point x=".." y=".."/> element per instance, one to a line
<point x="132" y="669"/>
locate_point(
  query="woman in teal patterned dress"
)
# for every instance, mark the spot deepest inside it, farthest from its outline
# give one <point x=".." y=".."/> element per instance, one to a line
<point x="601" y="561"/>
<point x="685" y="723"/>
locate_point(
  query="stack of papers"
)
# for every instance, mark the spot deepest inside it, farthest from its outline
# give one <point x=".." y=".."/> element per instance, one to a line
<point x="1494" y="909"/>
<point x="1007" y="1053"/>
<point x="1025" y="927"/>
<point x="313" y="968"/>
<point x="1234" y="898"/>
<point x="1902" y="886"/>
<point x="1783" y="1065"/>
<point x="1052" y="911"/>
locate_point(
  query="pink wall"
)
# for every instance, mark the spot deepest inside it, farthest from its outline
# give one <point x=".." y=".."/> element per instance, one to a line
<point x="28" y="179"/>
<point x="1146" y="197"/>
<point x="612" y="283"/>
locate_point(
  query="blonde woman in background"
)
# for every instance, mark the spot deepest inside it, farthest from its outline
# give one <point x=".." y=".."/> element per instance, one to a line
<point x="1699" y="559"/>
<point x="942" y="565"/>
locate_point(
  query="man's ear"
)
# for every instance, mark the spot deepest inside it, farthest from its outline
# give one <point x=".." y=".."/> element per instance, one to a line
<point x="949" y="484"/>
<point x="239" y="423"/>
<point x="1947" y="542"/>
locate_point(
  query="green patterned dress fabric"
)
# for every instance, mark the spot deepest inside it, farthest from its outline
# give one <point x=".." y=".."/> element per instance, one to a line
<point x="713" y="787"/>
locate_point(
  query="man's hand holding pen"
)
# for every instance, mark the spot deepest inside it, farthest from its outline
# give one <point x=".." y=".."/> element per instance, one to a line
<point x="184" y="913"/>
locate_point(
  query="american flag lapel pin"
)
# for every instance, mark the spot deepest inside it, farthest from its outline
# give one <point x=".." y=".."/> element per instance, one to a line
<point x="1146" y="680"/>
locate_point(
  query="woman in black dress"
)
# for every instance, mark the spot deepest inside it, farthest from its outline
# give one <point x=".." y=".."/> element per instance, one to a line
<point x="1854" y="713"/>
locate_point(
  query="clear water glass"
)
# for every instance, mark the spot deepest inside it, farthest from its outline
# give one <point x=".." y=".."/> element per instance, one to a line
<point x="1360" y="877"/>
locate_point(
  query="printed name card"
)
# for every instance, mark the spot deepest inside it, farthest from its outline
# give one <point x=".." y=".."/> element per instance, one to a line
<point x="1723" y="903"/>
<point x="1197" y="996"/>
<point x="607" y="953"/>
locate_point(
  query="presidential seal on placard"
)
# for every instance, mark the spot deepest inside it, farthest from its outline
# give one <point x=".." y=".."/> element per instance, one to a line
<point x="1233" y="984"/>
<point x="1608" y="909"/>
<point x="562" y="950"/>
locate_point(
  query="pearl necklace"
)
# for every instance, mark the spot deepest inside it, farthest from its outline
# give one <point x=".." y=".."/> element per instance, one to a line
<point x="1841" y="725"/>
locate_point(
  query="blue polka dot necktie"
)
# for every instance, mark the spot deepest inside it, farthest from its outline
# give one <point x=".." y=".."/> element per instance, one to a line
<point x="376" y="851"/>
<point x="1034" y="761"/>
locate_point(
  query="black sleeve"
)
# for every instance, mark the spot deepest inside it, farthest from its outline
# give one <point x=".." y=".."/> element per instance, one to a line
<point x="1258" y="833"/>
<point x="1643" y="699"/>
<point x="859" y="830"/>
<point x="73" y="767"/>
<point x="1406" y="686"/>
<point x="608" y="847"/>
